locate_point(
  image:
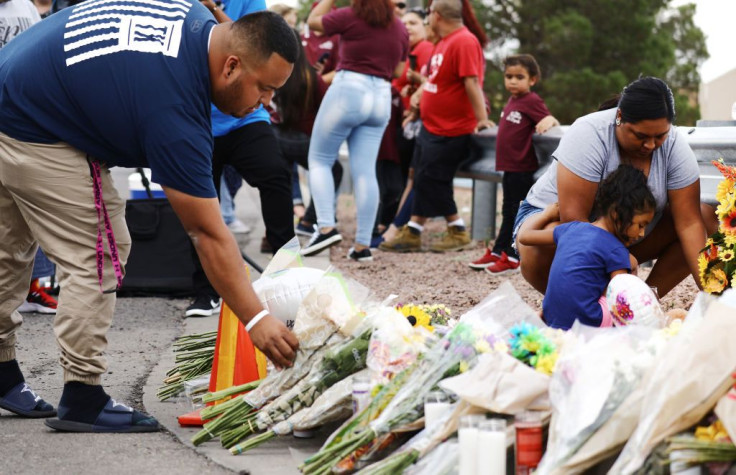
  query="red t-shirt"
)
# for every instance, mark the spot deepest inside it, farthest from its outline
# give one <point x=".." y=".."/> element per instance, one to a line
<point x="365" y="49"/>
<point x="445" y="107"/>
<point x="315" y="46"/>
<point x="514" y="149"/>
<point x="423" y="51"/>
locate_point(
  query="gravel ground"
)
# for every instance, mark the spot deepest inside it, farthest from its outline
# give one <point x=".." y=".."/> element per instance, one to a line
<point x="428" y="277"/>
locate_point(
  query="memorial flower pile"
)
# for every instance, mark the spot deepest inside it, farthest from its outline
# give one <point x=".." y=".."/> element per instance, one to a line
<point x="716" y="261"/>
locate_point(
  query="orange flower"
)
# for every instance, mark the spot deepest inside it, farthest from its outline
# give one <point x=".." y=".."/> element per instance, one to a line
<point x="711" y="252"/>
<point x="728" y="222"/>
<point x="726" y="171"/>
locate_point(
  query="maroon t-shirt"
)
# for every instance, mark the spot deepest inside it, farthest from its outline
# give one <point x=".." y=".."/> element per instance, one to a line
<point x="365" y="49"/>
<point x="514" y="149"/>
<point x="317" y="45"/>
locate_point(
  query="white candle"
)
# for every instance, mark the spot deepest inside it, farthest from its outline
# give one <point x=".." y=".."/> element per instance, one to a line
<point x="491" y="452"/>
<point x="433" y="411"/>
<point x="468" y="441"/>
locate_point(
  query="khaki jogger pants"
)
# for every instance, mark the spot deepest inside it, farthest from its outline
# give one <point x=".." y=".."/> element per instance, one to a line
<point x="47" y="198"/>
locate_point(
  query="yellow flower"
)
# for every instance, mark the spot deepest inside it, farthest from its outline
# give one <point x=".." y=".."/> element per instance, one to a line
<point x="464" y="366"/>
<point x="729" y="240"/>
<point x="728" y="222"/>
<point x="501" y="346"/>
<point x="725" y="187"/>
<point x="702" y="266"/>
<point x="482" y="346"/>
<point x="716" y="281"/>
<point x="546" y="364"/>
<point x="725" y="254"/>
<point x="416" y="316"/>
<point x="715" y="432"/>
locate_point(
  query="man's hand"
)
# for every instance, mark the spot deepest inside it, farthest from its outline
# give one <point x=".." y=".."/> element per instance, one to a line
<point x="272" y="337"/>
<point x="484" y="124"/>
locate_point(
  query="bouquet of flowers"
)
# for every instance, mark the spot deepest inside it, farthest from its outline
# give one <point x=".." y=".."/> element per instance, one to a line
<point x="716" y="261"/>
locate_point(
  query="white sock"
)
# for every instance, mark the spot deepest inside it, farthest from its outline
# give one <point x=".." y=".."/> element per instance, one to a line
<point x="458" y="222"/>
<point x="416" y="226"/>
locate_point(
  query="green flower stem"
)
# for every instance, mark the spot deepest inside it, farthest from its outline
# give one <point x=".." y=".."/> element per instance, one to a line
<point x="253" y="442"/>
<point x="222" y="394"/>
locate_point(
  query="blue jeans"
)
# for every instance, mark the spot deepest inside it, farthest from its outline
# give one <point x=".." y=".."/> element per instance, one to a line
<point x="42" y="266"/>
<point x="355" y="108"/>
<point x="525" y="210"/>
<point x="227" y="206"/>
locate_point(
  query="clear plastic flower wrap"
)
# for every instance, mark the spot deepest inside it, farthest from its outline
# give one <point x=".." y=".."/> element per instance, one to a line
<point x="595" y="375"/>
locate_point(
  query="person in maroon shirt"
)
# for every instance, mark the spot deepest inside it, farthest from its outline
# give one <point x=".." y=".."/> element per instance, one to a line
<point x="373" y="45"/>
<point x="452" y="107"/>
<point x="322" y="50"/>
<point x="524" y="114"/>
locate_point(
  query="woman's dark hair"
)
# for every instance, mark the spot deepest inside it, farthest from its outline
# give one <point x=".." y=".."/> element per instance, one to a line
<point x="526" y="61"/>
<point x="418" y="11"/>
<point x="377" y="13"/>
<point x="609" y="103"/>
<point x="472" y="23"/>
<point x="625" y="193"/>
<point x="647" y="98"/>
<point x="296" y="95"/>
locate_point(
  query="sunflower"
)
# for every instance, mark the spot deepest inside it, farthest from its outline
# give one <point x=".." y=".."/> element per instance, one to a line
<point x="702" y="267"/>
<point x="416" y="316"/>
<point x="729" y="240"/>
<point x="728" y="222"/>
<point x="726" y="206"/>
<point x="716" y="281"/>
<point x="725" y="254"/>
<point x="725" y="187"/>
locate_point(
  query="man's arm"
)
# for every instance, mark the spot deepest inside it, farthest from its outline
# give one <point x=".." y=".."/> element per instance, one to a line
<point x="223" y="264"/>
<point x="218" y="13"/>
<point x="475" y="94"/>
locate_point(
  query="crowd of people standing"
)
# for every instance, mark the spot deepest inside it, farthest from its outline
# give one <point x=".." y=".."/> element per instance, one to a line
<point x="201" y="90"/>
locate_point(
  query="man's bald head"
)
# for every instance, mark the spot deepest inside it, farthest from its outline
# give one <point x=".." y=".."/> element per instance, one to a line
<point x="451" y="10"/>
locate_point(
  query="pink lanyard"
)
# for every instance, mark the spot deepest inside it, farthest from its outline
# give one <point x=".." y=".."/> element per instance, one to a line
<point x="103" y="216"/>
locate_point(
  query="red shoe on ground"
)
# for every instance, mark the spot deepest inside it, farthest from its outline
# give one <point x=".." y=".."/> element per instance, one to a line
<point x="504" y="265"/>
<point x="487" y="259"/>
<point x="38" y="300"/>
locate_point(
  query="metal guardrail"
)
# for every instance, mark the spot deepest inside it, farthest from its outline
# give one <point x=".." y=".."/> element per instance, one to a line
<point x="710" y="140"/>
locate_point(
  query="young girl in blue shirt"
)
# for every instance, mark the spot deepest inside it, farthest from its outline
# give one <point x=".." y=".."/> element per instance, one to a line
<point x="590" y="254"/>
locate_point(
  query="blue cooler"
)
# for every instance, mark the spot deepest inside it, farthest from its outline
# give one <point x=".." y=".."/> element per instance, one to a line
<point x="138" y="191"/>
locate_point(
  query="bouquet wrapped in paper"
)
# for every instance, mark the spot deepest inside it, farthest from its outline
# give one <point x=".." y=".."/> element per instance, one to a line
<point x="329" y="313"/>
<point x="594" y="376"/>
<point x="692" y="374"/>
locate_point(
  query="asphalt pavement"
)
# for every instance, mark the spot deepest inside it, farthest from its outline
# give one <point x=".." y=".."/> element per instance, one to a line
<point x="139" y="354"/>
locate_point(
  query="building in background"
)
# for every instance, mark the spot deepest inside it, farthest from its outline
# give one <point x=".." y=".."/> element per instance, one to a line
<point x="718" y="97"/>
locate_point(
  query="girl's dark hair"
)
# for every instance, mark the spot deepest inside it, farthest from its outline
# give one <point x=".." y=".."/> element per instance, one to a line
<point x="526" y="61"/>
<point x="297" y="94"/>
<point x="377" y="13"/>
<point x="625" y="193"/>
<point x="645" y="99"/>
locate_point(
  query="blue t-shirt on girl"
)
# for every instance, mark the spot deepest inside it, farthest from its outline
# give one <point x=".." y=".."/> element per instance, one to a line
<point x="581" y="270"/>
<point x="126" y="82"/>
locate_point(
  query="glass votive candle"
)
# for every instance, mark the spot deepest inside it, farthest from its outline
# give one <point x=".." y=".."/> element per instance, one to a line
<point x="491" y="450"/>
<point x="467" y="435"/>
<point x="361" y="392"/>
<point x="436" y="403"/>
<point x="528" y="426"/>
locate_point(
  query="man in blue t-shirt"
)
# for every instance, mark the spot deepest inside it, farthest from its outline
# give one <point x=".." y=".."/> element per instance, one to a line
<point x="249" y="145"/>
<point x="127" y="83"/>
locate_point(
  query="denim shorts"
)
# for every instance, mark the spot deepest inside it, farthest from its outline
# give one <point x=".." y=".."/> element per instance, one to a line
<point x="525" y="210"/>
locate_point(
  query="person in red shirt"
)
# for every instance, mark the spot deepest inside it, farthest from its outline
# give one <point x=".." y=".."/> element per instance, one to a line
<point x="452" y="108"/>
<point x="322" y="50"/>
<point x="524" y="114"/>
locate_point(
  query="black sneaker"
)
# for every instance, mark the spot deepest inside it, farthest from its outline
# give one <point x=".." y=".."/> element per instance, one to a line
<point x="320" y="242"/>
<point x="203" y="306"/>
<point x="360" y="256"/>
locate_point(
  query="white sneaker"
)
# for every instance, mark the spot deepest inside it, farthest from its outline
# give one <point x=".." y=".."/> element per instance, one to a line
<point x="238" y="227"/>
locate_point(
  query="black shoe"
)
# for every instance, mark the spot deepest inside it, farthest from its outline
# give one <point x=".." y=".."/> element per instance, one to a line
<point x="320" y="242"/>
<point x="360" y="256"/>
<point x="203" y="306"/>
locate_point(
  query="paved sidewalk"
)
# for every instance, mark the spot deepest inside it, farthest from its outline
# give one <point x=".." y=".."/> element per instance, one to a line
<point x="139" y="354"/>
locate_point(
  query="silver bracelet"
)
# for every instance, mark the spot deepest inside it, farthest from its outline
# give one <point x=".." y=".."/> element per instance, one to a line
<point x="257" y="318"/>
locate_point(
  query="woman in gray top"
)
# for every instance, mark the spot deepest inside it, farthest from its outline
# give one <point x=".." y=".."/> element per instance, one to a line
<point x="639" y="132"/>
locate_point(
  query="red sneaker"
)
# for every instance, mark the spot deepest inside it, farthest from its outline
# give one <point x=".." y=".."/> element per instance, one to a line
<point x="38" y="301"/>
<point x="487" y="259"/>
<point x="503" y="265"/>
